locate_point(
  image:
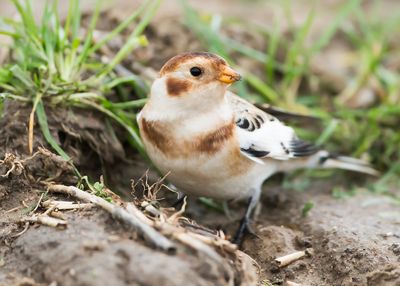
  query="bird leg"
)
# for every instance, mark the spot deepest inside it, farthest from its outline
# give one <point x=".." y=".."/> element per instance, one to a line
<point x="180" y="200"/>
<point x="245" y="221"/>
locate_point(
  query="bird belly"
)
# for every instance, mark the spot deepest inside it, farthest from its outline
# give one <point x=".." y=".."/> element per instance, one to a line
<point x="204" y="161"/>
<point x="224" y="175"/>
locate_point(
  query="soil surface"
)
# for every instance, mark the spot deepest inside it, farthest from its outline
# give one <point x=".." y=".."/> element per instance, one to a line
<point x="355" y="238"/>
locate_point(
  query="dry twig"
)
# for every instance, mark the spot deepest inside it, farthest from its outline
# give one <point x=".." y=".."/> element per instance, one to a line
<point x="127" y="217"/>
<point x="291" y="283"/>
<point x="12" y="210"/>
<point x="45" y="220"/>
<point x="287" y="259"/>
<point x="65" y="205"/>
<point x="168" y="225"/>
<point x="37" y="205"/>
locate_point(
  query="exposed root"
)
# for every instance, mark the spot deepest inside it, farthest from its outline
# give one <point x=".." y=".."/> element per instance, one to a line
<point x="199" y="238"/>
<point x="174" y="218"/>
<point x="14" y="165"/>
<point x="23" y="231"/>
<point x="151" y="190"/>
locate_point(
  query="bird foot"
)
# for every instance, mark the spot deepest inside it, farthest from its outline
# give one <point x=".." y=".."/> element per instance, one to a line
<point x="244" y="228"/>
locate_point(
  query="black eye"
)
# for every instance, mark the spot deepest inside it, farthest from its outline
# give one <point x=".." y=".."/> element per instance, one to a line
<point x="195" y="71"/>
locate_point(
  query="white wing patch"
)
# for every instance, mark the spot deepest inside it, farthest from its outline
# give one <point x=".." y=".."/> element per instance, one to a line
<point x="261" y="135"/>
<point x="273" y="138"/>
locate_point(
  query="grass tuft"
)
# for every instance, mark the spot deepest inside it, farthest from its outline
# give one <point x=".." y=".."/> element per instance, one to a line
<point x="55" y="63"/>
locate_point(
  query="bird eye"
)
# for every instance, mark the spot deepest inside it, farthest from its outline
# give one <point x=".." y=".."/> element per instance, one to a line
<point x="195" y="71"/>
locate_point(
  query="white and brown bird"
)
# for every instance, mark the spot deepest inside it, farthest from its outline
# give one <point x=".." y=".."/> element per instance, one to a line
<point x="216" y="144"/>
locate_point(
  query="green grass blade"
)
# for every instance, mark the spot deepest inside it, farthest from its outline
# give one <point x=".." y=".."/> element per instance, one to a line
<point x="5" y="95"/>
<point x="89" y="33"/>
<point x="23" y="77"/>
<point x="73" y="21"/>
<point x="42" y="119"/>
<point x="130" y="45"/>
<point x="296" y="50"/>
<point x="332" y="28"/>
<point x="327" y="133"/>
<point x="129" y="104"/>
<point x="140" y="85"/>
<point x="135" y="38"/>
<point x="122" y="26"/>
<point x="131" y="131"/>
<point x="270" y="63"/>
<point x="27" y="17"/>
<point x="260" y="86"/>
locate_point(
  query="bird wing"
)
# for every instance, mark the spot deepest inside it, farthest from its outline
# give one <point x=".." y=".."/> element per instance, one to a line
<point x="262" y="135"/>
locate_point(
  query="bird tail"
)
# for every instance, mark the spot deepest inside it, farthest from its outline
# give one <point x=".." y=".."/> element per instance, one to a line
<point x="324" y="159"/>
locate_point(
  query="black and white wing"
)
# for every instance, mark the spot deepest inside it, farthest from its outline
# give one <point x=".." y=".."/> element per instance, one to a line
<point x="262" y="135"/>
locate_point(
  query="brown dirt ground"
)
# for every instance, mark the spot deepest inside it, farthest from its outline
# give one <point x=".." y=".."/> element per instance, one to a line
<point x="93" y="249"/>
<point x="356" y="240"/>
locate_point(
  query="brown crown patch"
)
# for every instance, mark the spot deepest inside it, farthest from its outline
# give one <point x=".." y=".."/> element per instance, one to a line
<point x="176" y="87"/>
<point x="173" y="63"/>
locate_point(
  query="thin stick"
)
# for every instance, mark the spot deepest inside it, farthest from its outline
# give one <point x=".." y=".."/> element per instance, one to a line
<point x="13" y="209"/>
<point x="23" y="231"/>
<point x="147" y="231"/>
<point x="287" y="259"/>
<point x="56" y="215"/>
<point x="9" y="171"/>
<point x="291" y="283"/>
<point x="46" y="220"/>
<point x="37" y="205"/>
<point x="201" y="244"/>
<point x="65" y="205"/>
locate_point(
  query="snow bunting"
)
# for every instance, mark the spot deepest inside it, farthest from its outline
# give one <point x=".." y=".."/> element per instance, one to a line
<point x="216" y="144"/>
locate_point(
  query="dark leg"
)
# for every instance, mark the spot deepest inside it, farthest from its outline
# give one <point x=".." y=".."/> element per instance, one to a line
<point x="179" y="201"/>
<point x="245" y="222"/>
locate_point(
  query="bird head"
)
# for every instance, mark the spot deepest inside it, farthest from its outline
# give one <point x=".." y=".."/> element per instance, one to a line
<point x="193" y="81"/>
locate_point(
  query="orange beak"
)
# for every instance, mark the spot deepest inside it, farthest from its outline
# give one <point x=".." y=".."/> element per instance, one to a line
<point x="229" y="75"/>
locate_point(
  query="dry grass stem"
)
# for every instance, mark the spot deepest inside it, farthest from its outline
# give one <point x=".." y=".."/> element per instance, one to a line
<point x="37" y="205"/>
<point x="13" y="209"/>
